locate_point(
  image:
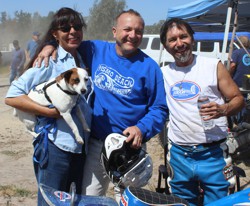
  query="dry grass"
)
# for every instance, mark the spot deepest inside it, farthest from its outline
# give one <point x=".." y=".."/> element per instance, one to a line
<point x="13" y="191"/>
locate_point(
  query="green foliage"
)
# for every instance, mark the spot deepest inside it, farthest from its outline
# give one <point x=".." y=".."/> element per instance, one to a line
<point x="101" y="19"/>
<point x="3" y="17"/>
<point x="153" y="29"/>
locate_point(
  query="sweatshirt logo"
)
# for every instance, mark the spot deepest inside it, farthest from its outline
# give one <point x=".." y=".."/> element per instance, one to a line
<point x="185" y="90"/>
<point x="108" y="79"/>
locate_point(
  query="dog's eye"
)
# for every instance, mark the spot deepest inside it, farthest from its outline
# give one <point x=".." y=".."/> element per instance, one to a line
<point x="86" y="79"/>
<point x="76" y="80"/>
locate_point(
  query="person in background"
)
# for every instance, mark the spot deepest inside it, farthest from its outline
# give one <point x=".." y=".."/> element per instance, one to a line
<point x="197" y="156"/>
<point x="240" y="62"/>
<point x="32" y="45"/>
<point x="63" y="158"/>
<point x="240" y="66"/>
<point x="17" y="61"/>
<point x="129" y="95"/>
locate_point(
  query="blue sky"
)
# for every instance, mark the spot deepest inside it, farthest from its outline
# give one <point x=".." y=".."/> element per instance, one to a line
<point x="151" y="10"/>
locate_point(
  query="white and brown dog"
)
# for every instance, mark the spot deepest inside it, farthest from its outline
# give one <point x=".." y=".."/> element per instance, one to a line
<point x="62" y="92"/>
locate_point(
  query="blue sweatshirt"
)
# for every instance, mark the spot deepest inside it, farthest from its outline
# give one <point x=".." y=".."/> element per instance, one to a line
<point x="128" y="91"/>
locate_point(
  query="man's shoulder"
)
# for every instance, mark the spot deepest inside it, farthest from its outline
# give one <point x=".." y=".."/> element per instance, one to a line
<point x="30" y="42"/>
<point x="96" y="44"/>
<point x="147" y="58"/>
<point x="207" y="59"/>
<point x="239" y="51"/>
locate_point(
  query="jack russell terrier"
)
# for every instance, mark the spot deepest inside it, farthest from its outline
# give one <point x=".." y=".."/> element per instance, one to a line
<point x="62" y="92"/>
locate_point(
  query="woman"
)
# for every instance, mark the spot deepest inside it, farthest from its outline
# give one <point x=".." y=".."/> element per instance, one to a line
<point x="61" y="161"/>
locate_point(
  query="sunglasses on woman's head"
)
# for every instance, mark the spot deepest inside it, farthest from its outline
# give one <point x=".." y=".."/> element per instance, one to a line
<point x="66" y="28"/>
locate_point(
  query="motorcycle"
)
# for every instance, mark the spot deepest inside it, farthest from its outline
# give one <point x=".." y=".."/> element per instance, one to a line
<point x="133" y="196"/>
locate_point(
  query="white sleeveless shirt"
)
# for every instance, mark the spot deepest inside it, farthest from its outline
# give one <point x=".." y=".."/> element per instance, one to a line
<point x="183" y="85"/>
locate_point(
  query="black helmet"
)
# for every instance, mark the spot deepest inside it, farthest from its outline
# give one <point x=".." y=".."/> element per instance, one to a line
<point x="124" y="165"/>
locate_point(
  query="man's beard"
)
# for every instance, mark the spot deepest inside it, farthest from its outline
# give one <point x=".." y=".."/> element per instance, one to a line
<point x="184" y="57"/>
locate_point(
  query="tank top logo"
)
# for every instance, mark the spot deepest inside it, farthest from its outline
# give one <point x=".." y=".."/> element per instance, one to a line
<point x="108" y="79"/>
<point x="185" y="90"/>
<point x="246" y="60"/>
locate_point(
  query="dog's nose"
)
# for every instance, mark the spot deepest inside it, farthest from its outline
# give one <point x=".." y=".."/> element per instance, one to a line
<point x="83" y="91"/>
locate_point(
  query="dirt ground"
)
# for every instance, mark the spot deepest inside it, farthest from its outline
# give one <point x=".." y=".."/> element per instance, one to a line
<point x="17" y="181"/>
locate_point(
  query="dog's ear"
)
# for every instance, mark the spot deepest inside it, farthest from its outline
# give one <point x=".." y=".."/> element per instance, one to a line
<point x="88" y="70"/>
<point x="66" y="75"/>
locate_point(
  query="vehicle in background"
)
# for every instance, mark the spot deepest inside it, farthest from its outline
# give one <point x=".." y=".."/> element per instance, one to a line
<point x="206" y="44"/>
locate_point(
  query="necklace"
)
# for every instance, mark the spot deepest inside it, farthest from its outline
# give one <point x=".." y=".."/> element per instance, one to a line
<point x="180" y="86"/>
<point x="184" y="70"/>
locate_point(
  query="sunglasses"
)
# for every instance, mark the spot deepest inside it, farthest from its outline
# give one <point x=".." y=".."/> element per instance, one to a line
<point x="67" y="28"/>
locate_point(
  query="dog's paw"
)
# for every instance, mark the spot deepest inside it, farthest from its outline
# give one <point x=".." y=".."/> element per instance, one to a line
<point x="80" y="141"/>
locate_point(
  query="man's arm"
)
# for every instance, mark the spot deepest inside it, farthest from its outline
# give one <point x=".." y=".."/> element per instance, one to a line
<point x="230" y="91"/>
<point x="228" y="88"/>
<point x="155" y="118"/>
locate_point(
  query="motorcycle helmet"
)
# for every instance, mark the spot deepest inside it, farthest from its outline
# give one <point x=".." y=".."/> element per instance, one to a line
<point x="124" y="165"/>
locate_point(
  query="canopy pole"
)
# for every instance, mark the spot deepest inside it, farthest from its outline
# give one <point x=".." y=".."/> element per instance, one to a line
<point x="233" y="35"/>
<point x="160" y="56"/>
<point x="229" y="14"/>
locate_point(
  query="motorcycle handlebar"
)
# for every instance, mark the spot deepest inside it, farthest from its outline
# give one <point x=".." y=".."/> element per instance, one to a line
<point x="242" y="126"/>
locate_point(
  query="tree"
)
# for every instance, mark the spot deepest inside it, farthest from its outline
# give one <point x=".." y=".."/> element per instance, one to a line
<point x="3" y="17"/>
<point x="3" y="25"/>
<point x="102" y="17"/>
<point x="23" y="20"/>
<point x="154" y="29"/>
<point x="40" y="23"/>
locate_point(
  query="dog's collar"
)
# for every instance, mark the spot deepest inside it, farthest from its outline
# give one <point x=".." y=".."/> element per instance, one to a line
<point x="54" y="82"/>
<point x="66" y="91"/>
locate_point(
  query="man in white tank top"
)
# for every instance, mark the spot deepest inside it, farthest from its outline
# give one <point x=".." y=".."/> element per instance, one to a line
<point x="197" y="155"/>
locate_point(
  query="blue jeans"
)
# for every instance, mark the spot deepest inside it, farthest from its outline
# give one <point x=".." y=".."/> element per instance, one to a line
<point x="198" y="165"/>
<point x="60" y="170"/>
